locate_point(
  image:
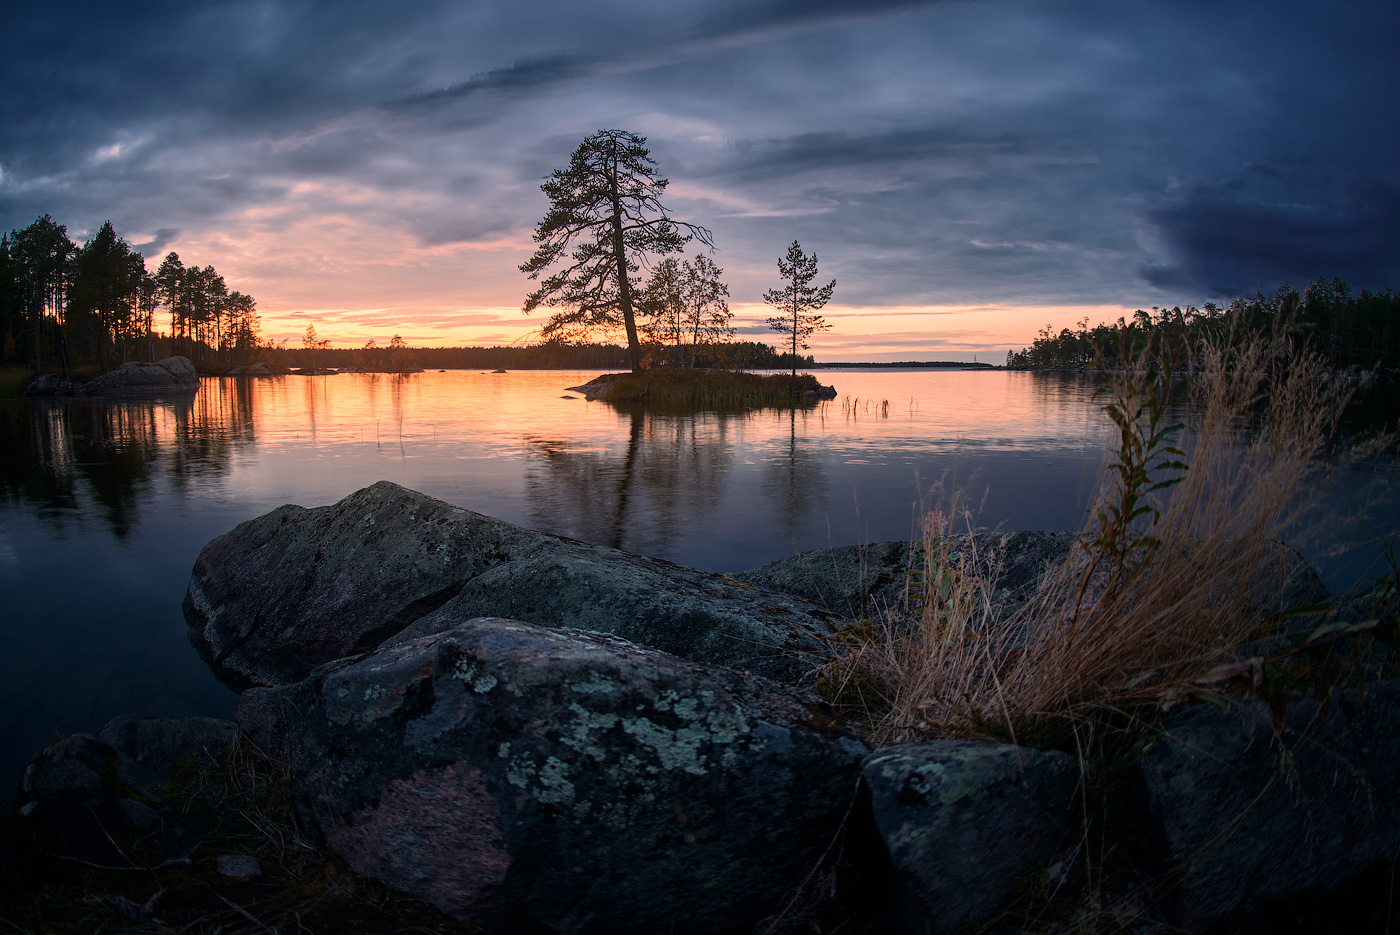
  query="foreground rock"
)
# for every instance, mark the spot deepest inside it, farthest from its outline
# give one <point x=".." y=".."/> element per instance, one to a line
<point x="965" y="822"/>
<point x="1248" y="817"/>
<point x="81" y="791"/>
<point x="515" y="775"/>
<point x="173" y="374"/>
<point x="296" y="588"/>
<point x="858" y="580"/>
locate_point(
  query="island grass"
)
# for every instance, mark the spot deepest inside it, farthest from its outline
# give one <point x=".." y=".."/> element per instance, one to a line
<point x="684" y="388"/>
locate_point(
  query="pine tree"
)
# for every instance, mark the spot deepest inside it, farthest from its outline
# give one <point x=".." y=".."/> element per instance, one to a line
<point x="608" y="204"/>
<point x="798" y="299"/>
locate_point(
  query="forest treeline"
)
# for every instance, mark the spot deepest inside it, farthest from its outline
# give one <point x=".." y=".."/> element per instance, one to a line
<point x="1351" y="332"/>
<point x="551" y="355"/>
<point x="65" y="305"/>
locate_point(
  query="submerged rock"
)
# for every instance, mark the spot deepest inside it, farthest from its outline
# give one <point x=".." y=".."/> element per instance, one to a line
<point x="965" y="822"/>
<point x="517" y="775"/>
<point x="296" y="588"/>
<point x="173" y="374"/>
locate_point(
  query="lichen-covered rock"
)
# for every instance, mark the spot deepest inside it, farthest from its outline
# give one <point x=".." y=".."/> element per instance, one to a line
<point x="859" y="580"/>
<point x="1247" y="817"/>
<point x="516" y="775"/>
<point x="80" y="792"/>
<point x="296" y="588"/>
<point x="964" y="822"/>
<point x="173" y="374"/>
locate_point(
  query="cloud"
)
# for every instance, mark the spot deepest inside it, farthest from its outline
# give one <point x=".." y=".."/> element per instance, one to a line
<point x="163" y="237"/>
<point x="1257" y="230"/>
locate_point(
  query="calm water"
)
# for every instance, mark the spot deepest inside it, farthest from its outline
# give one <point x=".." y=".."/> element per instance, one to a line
<point x="106" y="504"/>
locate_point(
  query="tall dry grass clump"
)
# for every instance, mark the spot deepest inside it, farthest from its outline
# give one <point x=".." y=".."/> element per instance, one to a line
<point x="1213" y="455"/>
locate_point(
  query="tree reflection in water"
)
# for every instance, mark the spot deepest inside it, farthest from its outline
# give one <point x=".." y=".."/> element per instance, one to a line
<point x="78" y="460"/>
<point x="671" y="470"/>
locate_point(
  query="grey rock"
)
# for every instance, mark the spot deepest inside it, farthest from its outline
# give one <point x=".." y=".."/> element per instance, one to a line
<point x="297" y="588"/>
<point x="81" y="791"/>
<point x="860" y="580"/>
<point x="153" y="746"/>
<point x="73" y="797"/>
<point x="965" y="822"/>
<point x="47" y="385"/>
<point x="1247" y="817"/>
<point x="239" y="866"/>
<point x="173" y="374"/>
<point x="516" y="775"/>
<point x="258" y="370"/>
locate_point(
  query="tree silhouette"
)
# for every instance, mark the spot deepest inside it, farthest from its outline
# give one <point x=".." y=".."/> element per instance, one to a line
<point x="607" y="203"/>
<point x="104" y="296"/>
<point x="686" y="305"/>
<point x="798" y="299"/>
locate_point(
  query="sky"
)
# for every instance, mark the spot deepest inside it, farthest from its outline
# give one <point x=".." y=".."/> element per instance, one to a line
<point x="967" y="172"/>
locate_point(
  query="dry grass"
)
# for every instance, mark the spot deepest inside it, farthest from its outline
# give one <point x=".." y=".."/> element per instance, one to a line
<point x="1177" y="566"/>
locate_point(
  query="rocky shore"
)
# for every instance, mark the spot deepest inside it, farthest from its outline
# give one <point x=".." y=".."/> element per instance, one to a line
<point x="494" y="729"/>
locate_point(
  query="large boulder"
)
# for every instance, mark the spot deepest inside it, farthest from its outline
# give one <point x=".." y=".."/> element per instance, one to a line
<point x="526" y="778"/>
<point x="173" y="374"/>
<point x="860" y="580"/>
<point x="965" y="822"/>
<point x="1248" y="817"/>
<point x="296" y="588"/>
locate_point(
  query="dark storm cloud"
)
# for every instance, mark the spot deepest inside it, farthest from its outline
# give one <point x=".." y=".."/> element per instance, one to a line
<point x="157" y="243"/>
<point x="1234" y="238"/>
<point x="521" y="76"/>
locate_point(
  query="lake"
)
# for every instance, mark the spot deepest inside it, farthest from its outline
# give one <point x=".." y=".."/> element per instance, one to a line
<point x="106" y="504"/>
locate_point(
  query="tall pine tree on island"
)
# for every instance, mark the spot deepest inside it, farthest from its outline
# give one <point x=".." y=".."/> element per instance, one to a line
<point x="798" y="300"/>
<point x="607" y="203"/>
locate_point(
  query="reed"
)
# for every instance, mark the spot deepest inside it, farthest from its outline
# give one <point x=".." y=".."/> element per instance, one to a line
<point x="1175" y="570"/>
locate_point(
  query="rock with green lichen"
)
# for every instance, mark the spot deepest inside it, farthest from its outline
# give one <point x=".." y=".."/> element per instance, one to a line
<point x="297" y="588"/>
<point x="965" y="822"/>
<point x="516" y="776"/>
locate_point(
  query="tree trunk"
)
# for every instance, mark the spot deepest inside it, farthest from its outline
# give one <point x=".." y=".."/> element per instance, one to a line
<point x="624" y="288"/>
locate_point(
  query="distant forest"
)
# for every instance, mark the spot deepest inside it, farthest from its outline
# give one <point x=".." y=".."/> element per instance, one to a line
<point x="68" y="306"/>
<point x="1352" y="332"/>
<point x="554" y="355"/>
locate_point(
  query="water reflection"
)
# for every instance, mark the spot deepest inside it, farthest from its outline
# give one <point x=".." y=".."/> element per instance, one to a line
<point x="638" y="493"/>
<point x="794" y="479"/>
<point x="78" y="460"/>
